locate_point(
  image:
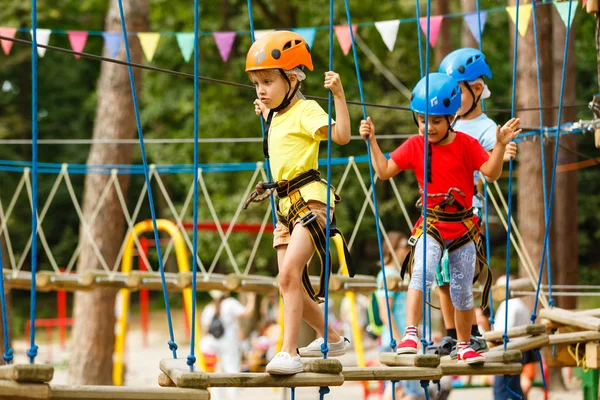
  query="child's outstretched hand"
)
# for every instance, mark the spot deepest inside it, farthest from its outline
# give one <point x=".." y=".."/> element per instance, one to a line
<point x="367" y="129"/>
<point x="334" y="83"/>
<point x="259" y="107"/>
<point x="510" y="152"/>
<point x="508" y="132"/>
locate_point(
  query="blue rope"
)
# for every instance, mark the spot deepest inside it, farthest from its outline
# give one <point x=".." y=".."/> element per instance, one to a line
<point x="394" y="389"/>
<point x="324" y="348"/>
<point x="542" y="149"/>
<point x="539" y="356"/>
<point x="429" y="340"/>
<point x="425" y="385"/>
<point x="8" y="353"/>
<point x="555" y="162"/>
<point x="262" y="122"/>
<point x="323" y="390"/>
<point x="508" y="378"/>
<point x="425" y="172"/>
<point x="480" y="42"/>
<point x="293" y="393"/>
<point x="510" y="177"/>
<point x="171" y="342"/>
<point x="191" y="359"/>
<point x="418" y="13"/>
<point x="371" y="176"/>
<point x="487" y="244"/>
<point x="32" y="352"/>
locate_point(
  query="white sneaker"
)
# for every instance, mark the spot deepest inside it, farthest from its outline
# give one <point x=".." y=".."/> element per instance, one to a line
<point x="284" y="364"/>
<point x="314" y="349"/>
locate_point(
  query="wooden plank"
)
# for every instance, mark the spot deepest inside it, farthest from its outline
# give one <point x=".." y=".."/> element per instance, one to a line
<point x="251" y="283"/>
<point x="390" y="373"/>
<point x="64" y="392"/>
<point x="50" y="280"/>
<point x="257" y="379"/>
<point x="453" y="369"/>
<point x="570" y="318"/>
<point x="358" y="283"/>
<point x="32" y="373"/>
<point x="15" y="390"/>
<point x="573" y="337"/>
<point x="524" y="344"/>
<point x="519" y="331"/>
<point x="509" y="356"/>
<point x="178" y="371"/>
<point x="203" y="282"/>
<point x="592" y="355"/>
<point x="113" y="280"/>
<point x="395" y="284"/>
<point x="165" y="381"/>
<point x="327" y="366"/>
<point x="152" y="281"/>
<point x="521" y="284"/>
<point x="410" y="360"/>
<point x="17" y="280"/>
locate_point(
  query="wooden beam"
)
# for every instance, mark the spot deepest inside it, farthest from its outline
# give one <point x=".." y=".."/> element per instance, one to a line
<point x="395" y="284"/>
<point x="410" y="360"/>
<point x="454" y="369"/>
<point x="178" y="371"/>
<point x="518" y="331"/>
<point x="384" y="373"/>
<point x="258" y="379"/>
<point x="15" y="390"/>
<point x="113" y="280"/>
<point x="592" y="355"/>
<point x="49" y="280"/>
<point x="152" y="281"/>
<point x="204" y="282"/>
<point x="359" y="283"/>
<point x="570" y="318"/>
<point x="165" y="381"/>
<point x="508" y="356"/>
<point x="524" y="344"/>
<point x="327" y="366"/>
<point x="573" y="337"/>
<point x="17" y="280"/>
<point x="520" y="284"/>
<point x="251" y="283"/>
<point x="31" y="373"/>
<point x="64" y="392"/>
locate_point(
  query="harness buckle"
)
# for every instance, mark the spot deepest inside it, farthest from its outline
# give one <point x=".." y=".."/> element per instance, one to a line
<point x="308" y="218"/>
<point x="412" y="241"/>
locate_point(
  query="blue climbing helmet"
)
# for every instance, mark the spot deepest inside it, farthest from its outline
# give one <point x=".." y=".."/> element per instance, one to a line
<point x="444" y="95"/>
<point x="465" y="65"/>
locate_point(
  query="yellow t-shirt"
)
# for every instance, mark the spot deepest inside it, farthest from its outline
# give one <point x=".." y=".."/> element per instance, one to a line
<point x="294" y="148"/>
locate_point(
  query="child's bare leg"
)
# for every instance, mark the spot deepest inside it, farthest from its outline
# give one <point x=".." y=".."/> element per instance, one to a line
<point x="292" y="261"/>
<point x="447" y="306"/>
<point x="313" y="315"/>
<point x="463" y="324"/>
<point x="414" y="307"/>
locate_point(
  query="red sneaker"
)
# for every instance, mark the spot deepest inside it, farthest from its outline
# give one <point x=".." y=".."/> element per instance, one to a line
<point x="470" y="356"/>
<point x="408" y="345"/>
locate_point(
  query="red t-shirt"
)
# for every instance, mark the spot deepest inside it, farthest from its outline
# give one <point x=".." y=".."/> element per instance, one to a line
<point x="452" y="166"/>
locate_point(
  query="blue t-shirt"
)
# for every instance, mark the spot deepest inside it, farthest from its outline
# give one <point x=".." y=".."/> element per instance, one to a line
<point x="483" y="129"/>
<point x="398" y="310"/>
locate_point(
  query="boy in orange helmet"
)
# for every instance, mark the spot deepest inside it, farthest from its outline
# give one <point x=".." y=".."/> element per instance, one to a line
<point x="275" y="64"/>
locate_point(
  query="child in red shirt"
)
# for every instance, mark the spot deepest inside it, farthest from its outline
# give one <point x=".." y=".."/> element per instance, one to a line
<point x="453" y="157"/>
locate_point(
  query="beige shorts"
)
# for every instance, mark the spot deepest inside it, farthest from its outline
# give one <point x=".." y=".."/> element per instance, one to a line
<point x="281" y="234"/>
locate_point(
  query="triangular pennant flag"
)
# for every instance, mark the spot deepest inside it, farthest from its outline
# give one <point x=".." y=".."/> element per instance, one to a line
<point x="308" y="34"/>
<point x="113" y="42"/>
<point x="388" y="31"/>
<point x="149" y="42"/>
<point x="43" y="37"/>
<point x="584" y="3"/>
<point x="224" y="41"/>
<point x="343" y="35"/>
<point x="472" y="21"/>
<point x="262" y="32"/>
<point x="77" y="40"/>
<point x="7" y="44"/>
<point x="186" y="44"/>
<point x="435" y="23"/>
<point x="563" y="11"/>
<point x="524" y="16"/>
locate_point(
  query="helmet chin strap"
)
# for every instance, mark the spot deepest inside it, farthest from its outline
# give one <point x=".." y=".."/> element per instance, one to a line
<point x="473" y="106"/>
<point x="291" y="93"/>
<point x="430" y="147"/>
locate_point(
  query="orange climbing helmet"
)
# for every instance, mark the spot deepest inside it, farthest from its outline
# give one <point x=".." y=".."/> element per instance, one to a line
<point x="279" y="50"/>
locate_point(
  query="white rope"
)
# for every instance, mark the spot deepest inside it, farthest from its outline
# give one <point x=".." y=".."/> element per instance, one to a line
<point x="130" y="219"/>
<point x="217" y="223"/>
<point x="340" y="186"/>
<point x="179" y="221"/>
<point x="402" y="205"/>
<point x="224" y="240"/>
<point x="84" y="225"/>
<point x="526" y="264"/>
<point x="5" y="217"/>
<point x="258" y="238"/>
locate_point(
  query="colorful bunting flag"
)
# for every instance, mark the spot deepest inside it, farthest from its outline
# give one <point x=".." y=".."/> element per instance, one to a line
<point x="149" y="42"/>
<point x="584" y="3"/>
<point x="186" y="44"/>
<point x="7" y="44"/>
<point x="563" y="11"/>
<point x="77" y="40"/>
<point x="435" y="23"/>
<point x="343" y="35"/>
<point x="388" y="31"/>
<point x="43" y="37"/>
<point x="113" y="42"/>
<point x="224" y="41"/>
<point x="308" y="34"/>
<point x="472" y="21"/>
<point x="524" y="16"/>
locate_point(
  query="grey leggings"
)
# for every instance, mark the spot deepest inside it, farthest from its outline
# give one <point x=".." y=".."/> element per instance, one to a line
<point x="462" y="270"/>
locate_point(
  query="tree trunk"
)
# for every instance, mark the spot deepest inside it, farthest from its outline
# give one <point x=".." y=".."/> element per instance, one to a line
<point x="467" y="37"/>
<point x="94" y="317"/>
<point x="565" y="246"/>
<point x="530" y="199"/>
<point x="443" y="45"/>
